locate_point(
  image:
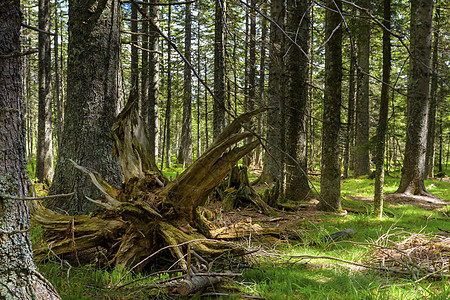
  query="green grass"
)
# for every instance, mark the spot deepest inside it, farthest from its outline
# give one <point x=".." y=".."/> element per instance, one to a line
<point x="290" y="279"/>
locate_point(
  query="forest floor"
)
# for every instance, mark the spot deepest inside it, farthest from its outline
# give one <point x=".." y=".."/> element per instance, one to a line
<point x="301" y="264"/>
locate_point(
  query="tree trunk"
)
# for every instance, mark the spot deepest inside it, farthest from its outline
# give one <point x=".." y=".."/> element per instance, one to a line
<point x="19" y="277"/>
<point x="219" y="68"/>
<point x="152" y="104"/>
<point x="297" y="26"/>
<point x="384" y="108"/>
<point x="248" y="160"/>
<point x="429" y="158"/>
<point x="167" y="137"/>
<point x="185" y="150"/>
<point x="92" y="97"/>
<point x="134" y="66"/>
<point x="57" y="85"/>
<point x="144" y="63"/>
<point x="262" y="88"/>
<point x="272" y="167"/>
<point x="362" y="163"/>
<point x="330" y="180"/>
<point x="44" y="158"/>
<point x="413" y="171"/>
<point x="349" y="138"/>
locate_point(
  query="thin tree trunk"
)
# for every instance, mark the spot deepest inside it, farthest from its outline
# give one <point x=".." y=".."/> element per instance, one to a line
<point x="44" y="159"/>
<point x="134" y="53"/>
<point x="152" y="110"/>
<point x="330" y="180"/>
<point x="251" y="68"/>
<point x="185" y="150"/>
<point x="58" y="102"/>
<point x="384" y="108"/>
<point x="272" y="160"/>
<point x="169" y="92"/>
<point x="206" y="108"/>
<point x="351" y="111"/>
<point x="199" y="38"/>
<point x="144" y="63"/>
<point x="262" y="87"/>
<point x="429" y="158"/>
<point x="219" y="68"/>
<point x="362" y="163"/>
<point x="413" y="171"/>
<point x="19" y="277"/>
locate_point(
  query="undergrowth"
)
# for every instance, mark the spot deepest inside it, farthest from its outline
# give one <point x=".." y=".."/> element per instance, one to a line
<point x="287" y="277"/>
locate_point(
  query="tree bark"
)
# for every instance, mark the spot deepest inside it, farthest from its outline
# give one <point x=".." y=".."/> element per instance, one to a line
<point x="262" y="88"/>
<point x="19" y="277"/>
<point x="362" y="163"/>
<point x="44" y="158"/>
<point x="297" y="26"/>
<point x="144" y="63"/>
<point x="413" y="171"/>
<point x="167" y="135"/>
<point x="431" y="135"/>
<point x="383" y="118"/>
<point x="185" y="150"/>
<point x="330" y="180"/>
<point x="272" y="166"/>
<point x="59" y="104"/>
<point x="91" y="106"/>
<point x="219" y="68"/>
<point x="349" y="138"/>
<point x="134" y="65"/>
<point x="152" y="104"/>
<point x="249" y="159"/>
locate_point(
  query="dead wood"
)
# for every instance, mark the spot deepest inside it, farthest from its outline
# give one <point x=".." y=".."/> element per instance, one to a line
<point x="147" y="212"/>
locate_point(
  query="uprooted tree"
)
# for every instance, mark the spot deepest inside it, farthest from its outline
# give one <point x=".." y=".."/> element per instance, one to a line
<point x="148" y="212"/>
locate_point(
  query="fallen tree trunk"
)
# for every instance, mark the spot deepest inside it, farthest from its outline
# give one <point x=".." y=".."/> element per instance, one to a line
<point x="148" y="212"/>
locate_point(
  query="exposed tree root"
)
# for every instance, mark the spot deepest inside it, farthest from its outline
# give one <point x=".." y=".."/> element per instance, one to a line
<point x="148" y="213"/>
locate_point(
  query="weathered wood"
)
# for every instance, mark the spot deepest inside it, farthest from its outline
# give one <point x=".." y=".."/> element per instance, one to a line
<point x="196" y="283"/>
<point x="146" y="214"/>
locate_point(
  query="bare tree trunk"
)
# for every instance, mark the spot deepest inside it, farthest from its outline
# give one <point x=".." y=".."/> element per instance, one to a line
<point x="219" y="68"/>
<point x="413" y="171"/>
<point x="297" y="26"/>
<point x="199" y="38"/>
<point x="134" y="53"/>
<point x="19" y="277"/>
<point x="58" y="102"/>
<point x="185" y="150"/>
<point x="206" y="108"/>
<point x="429" y="158"/>
<point x="272" y="159"/>
<point x="91" y="106"/>
<point x="262" y="89"/>
<point x="362" y="163"/>
<point x="349" y="138"/>
<point x="44" y="159"/>
<point x="251" y="74"/>
<point x="152" y="103"/>
<point x="144" y="64"/>
<point x="330" y="180"/>
<point x="169" y="93"/>
<point x="383" y="118"/>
